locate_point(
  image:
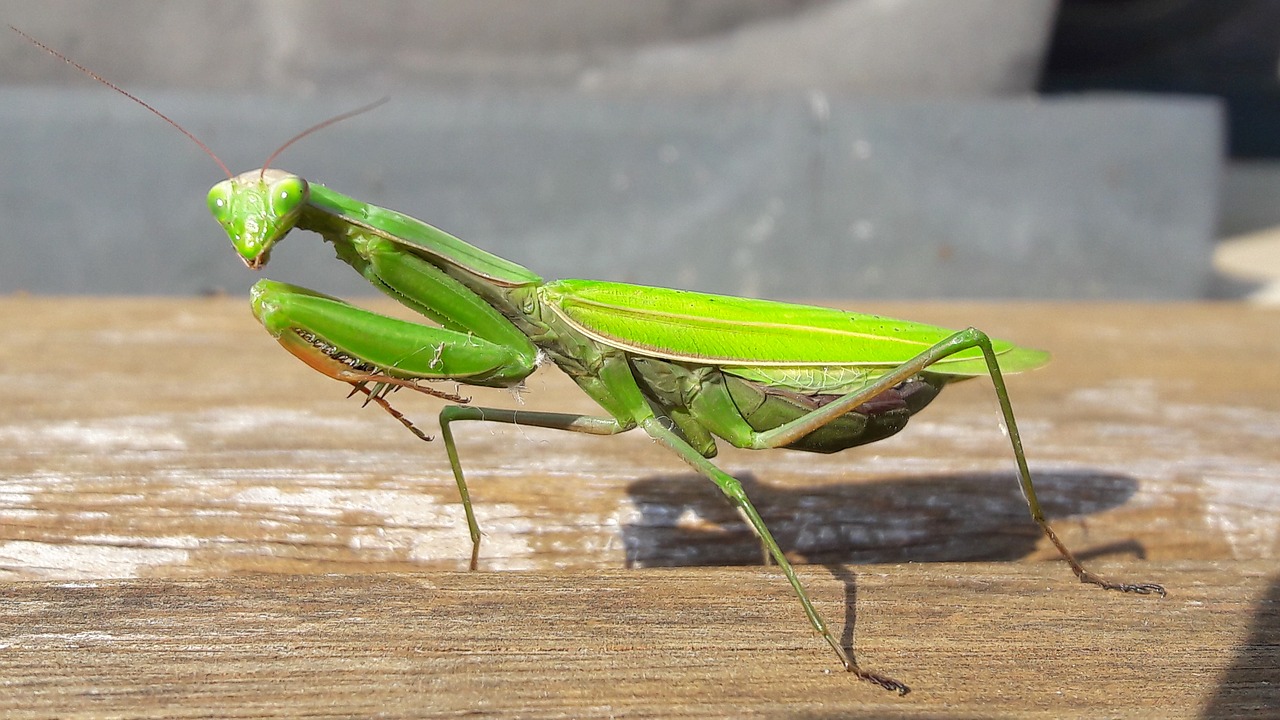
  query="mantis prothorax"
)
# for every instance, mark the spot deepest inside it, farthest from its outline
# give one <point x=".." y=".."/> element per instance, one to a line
<point x="684" y="367"/>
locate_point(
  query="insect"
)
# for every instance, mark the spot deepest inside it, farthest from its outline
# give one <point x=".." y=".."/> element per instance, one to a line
<point x="683" y="367"/>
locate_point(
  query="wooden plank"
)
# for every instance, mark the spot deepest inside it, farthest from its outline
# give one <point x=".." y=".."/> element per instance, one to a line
<point x="171" y="445"/>
<point x="174" y="438"/>
<point x="973" y="639"/>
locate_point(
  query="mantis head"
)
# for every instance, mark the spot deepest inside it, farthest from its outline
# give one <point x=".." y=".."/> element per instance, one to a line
<point x="257" y="209"/>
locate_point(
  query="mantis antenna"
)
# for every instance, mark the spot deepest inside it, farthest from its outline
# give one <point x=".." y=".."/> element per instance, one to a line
<point x="125" y="93"/>
<point x="318" y="126"/>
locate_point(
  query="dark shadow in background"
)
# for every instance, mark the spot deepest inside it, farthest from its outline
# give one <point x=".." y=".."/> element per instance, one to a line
<point x="1226" y="48"/>
<point x="1250" y="687"/>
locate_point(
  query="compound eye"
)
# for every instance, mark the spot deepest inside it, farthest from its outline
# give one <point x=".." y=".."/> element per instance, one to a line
<point x="220" y="201"/>
<point x="287" y="195"/>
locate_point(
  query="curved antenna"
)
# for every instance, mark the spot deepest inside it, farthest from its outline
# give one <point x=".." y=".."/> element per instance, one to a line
<point x="320" y="126"/>
<point x="125" y="93"/>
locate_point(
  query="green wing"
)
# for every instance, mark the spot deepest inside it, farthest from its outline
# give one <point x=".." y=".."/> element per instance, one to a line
<point x="761" y="337"/>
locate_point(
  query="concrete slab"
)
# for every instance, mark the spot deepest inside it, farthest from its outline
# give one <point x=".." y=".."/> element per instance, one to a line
<point x="781" y="197"/>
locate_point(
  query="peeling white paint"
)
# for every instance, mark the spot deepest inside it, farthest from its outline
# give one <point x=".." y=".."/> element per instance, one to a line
<point x="82" y="638"/>
<point x="1245" y="508"/>
<point x="140" y="433"/>
<point x="498" y="550"/>
<point x="1138" y="395"/>
<point x="394" y="507"/>
<point x="408" y="522"/>
<point x="183" y="542"/>
<point x="85" y="562"/>
<point x="253" y="419"/>
<point x="1251" y="421"/>
<point x="13" y="494"/>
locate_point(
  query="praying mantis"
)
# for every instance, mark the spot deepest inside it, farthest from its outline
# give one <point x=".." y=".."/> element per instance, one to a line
<point x="686" y="368"/>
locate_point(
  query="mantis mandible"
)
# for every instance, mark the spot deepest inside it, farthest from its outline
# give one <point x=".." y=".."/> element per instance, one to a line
<point x="684" y="367"/>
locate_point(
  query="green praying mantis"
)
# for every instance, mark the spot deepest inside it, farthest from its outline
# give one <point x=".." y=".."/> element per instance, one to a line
<point x="684" y="367"/>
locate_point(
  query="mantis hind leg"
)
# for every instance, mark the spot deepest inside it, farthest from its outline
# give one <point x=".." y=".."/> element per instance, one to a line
<point x="789" y="432"/>
<point x="555" y="421"/>
<point x="733" y="490"/>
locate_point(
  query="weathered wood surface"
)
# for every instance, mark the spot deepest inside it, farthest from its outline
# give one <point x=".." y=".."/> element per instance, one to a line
<point x="216" y="530"/>
<point x="974" y="640"/>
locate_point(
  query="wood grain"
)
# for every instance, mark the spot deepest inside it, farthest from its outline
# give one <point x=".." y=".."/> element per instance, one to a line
<point x="974" y="640"/>
<point x="192" y="523"/>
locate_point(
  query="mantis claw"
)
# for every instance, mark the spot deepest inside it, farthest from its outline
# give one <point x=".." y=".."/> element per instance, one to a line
<point x="376" y="396"/>
<point x="1092" y="579"/>
<point x="883" y="681"/>
<point x="1135" y="588"/>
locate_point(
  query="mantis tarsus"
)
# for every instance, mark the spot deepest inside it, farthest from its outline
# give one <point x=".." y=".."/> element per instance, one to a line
<point x="684" y="367"/>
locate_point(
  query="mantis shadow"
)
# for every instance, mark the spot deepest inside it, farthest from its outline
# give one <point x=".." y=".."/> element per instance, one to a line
<point x="962" y="517"/>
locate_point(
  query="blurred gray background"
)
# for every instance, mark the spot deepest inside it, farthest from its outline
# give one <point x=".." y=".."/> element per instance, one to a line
<point x="797" y="149"/>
